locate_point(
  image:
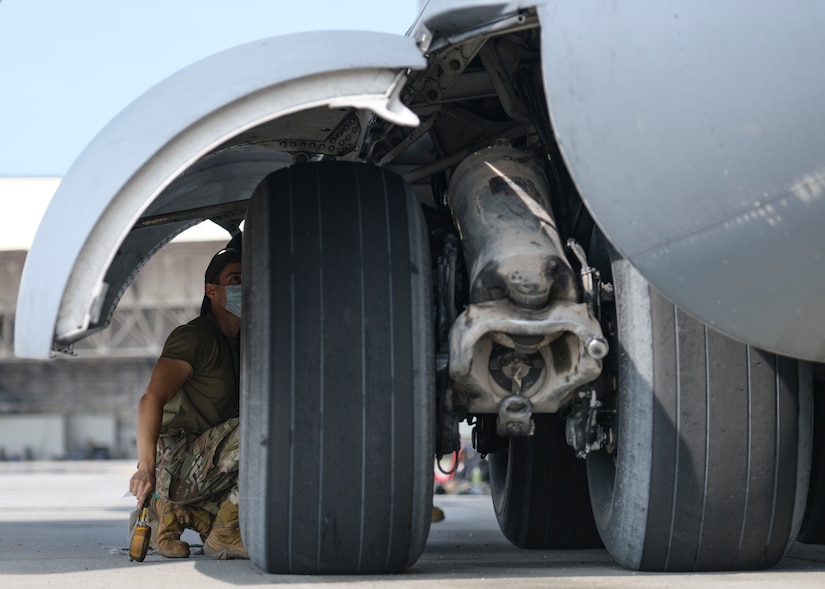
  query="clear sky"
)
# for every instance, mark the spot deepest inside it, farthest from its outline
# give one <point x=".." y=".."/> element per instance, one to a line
<point x="69" y="66"/>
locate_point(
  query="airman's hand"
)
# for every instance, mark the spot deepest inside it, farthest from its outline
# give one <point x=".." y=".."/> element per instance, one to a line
<point x="141" y="485"/>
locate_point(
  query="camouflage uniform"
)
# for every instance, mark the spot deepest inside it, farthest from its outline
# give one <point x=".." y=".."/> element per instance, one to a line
<point x="198" y="447"/>
<point x="200" y="470"/>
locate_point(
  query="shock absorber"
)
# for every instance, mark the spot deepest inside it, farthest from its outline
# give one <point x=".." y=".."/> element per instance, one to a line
<point x="500" y="202"/>
<point x="524" y="343"/>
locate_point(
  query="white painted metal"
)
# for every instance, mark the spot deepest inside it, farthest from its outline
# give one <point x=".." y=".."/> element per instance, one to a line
<point x="167" y="129"/>
<point x="454" y="16"/>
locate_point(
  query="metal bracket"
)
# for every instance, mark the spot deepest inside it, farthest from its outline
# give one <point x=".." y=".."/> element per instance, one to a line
<point x="584" y="431"/>
<point x="515" y="418"/>
<point x="568" y="338"/>
<point x="340" y="141"/>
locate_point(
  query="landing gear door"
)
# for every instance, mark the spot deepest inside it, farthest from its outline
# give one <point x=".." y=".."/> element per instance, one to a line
<point x="143" y="162"/>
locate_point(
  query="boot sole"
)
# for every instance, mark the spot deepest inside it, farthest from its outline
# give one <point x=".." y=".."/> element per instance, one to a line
<point x="225" y="554"/>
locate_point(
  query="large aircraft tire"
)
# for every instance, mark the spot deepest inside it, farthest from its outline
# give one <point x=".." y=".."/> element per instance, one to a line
<point x="813" y="524"/>
<point x="539" y="490"/>
<point x="338" y="373"/>
<point x="713" y="441"/>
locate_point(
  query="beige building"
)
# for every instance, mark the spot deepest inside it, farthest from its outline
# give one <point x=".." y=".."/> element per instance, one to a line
<point x="84" y="406"/>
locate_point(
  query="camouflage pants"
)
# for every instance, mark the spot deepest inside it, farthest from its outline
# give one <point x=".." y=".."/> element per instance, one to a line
<point x="200" y="471"/>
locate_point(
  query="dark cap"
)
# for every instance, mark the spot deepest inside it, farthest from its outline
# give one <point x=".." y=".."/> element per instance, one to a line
<point x="219" y="261"/>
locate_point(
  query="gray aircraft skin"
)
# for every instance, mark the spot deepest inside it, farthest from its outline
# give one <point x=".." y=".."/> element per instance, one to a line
<point x="573" y="153"/>
<point x="692" y="135"/>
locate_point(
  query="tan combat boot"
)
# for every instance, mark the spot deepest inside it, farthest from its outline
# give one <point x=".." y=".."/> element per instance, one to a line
<point x="193" y="518"/>
<point x="166" y="530"/>
<point x="224" y="541"/>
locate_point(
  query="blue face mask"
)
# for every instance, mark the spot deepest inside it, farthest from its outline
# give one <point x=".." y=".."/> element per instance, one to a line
<point x="233" y="298"/>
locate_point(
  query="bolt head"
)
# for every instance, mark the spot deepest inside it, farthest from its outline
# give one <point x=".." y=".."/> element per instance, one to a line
<point x="597" y="348"/>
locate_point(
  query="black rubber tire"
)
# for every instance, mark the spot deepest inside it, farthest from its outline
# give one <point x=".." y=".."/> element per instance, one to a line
<point x="540" y="492"/>
<point x="813" y="523"/>
<point x="338" y="373"/>
<point x="713" y="442"/>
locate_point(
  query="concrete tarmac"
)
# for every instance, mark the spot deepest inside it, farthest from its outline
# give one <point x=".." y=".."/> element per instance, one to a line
<point x="64" y="524"/>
